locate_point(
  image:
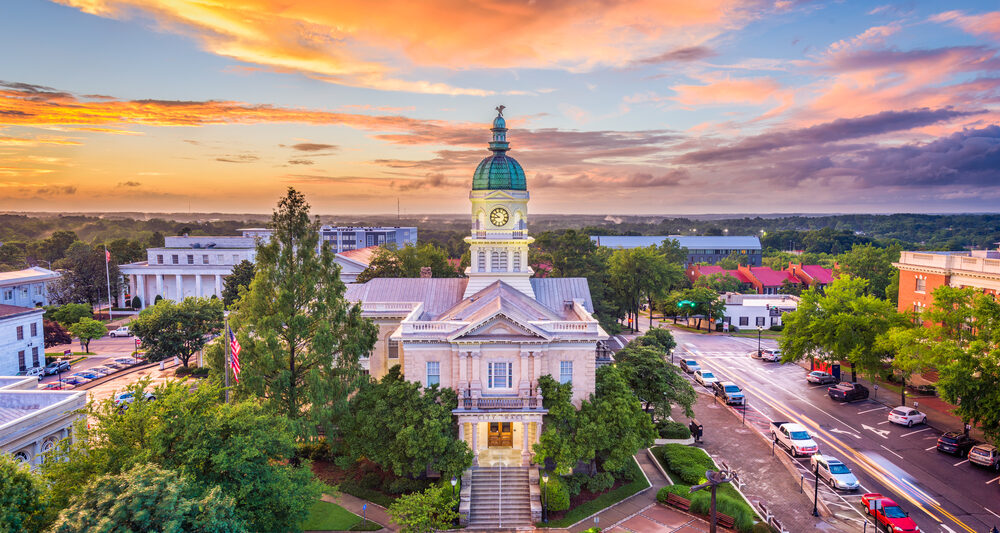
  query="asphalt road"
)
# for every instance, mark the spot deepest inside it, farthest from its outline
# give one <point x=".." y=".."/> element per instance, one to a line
<point x="943" y="493"/>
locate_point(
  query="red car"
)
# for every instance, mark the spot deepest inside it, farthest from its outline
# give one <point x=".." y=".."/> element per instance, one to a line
<point x="887" y="514"/>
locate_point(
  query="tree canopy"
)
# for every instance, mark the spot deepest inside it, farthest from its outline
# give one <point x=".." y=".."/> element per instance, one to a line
<point x="241" y="276"/>
<point x="88" y="329"/>
<point x="22" y="496"/>
<point x="656" y="383"/>
<point x="406" y="262"/>
<point x="170" y="329"/>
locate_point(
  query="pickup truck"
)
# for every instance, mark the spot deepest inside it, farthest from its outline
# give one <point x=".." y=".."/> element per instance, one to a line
<point x="794" y="438"/>
<point x="887" y="514"/>
<point x="846" y="391"/>
<point x="121" y="332"/>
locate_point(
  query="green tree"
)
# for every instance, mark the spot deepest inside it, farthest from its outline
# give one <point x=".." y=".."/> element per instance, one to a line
<point x="656" y="383"/>
<point x="789" y="287"/>
<point x="871" y="263"/>
<point x="733" y="260"/>
<point x="641" y="274"/>
<point x="424" y="512"/>
<point x="88" y="329"/>
<point x="404" y="429"/>
<point x="673" y="252"/>
<point x="55" y="333"/>
<point x="301" y="340"/>
<point x="86" y="275"/>
<point x="557" y="446"/>
<point x="721" y="282"/>
<point x="125" y="251"/>
<point x="843" y="323"/>
<point x="170" y="329"/>
<point x="69" y="313"/>
<point x="22" y="496"/>
<point x="243" y="449"/>
<point x="148" y="498"/>
<point x="392" y="262"/>
<point x="913" y="350"/>
<point x="241" y="276"/>
<point x="612" y="424"/>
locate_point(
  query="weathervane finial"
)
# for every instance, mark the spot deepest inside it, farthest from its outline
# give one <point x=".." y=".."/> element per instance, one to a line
<point x="500" y="109"/>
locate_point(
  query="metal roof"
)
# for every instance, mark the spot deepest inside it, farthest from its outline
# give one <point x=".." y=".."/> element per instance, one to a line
<point x="554" y="292"/>
<point x="28" y="275"/>
<point x="437" y="294"/>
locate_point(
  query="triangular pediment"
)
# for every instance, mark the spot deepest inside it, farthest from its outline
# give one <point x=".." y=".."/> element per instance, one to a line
<point x="499" y="194"/>
<point x="500" y="325"/>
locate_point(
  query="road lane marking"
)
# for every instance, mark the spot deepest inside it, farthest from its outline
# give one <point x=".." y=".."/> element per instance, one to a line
<point x="886" y="422"/>
<point x="914" y="432"/>
<point x="992" y="513"/>
<point x="851" y="433"/>
<point x="884" y="433"/>
<point x="991" y="481"/>
<point x="892" y="452"/>
<point x="960" y="462"/>
<point x="931" y="448"/>
<point x="870" y="410"/>
<point x="948" y="529"/>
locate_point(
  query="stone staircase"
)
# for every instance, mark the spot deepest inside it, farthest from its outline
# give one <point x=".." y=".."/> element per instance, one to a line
<point x="500" y="498"/>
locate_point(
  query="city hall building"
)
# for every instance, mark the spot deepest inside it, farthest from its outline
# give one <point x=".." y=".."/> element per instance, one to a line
<point x="492" y="334"/>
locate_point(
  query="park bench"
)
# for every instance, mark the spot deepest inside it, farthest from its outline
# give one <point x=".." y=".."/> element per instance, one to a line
<point x="681" y="503"/>
<point x="725" y="520"/>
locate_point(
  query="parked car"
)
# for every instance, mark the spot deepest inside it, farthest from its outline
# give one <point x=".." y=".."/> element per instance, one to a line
<point x="772" y="355"/>
<point x="74" y="380"/>
<point x="127" y="361"/>
<point x="985" y="455"/>
<point x="834" y="472"/>
<point x="888" y="515"/>
<point x="955" y="443"/>
<point x="55" y="385"/>
<point x="690" y="365"/>
<point x="56" y="367"/>
<point x="121" y="332"/>
<point x="794" y="438"/>
<point x="705" y="377"/>
<point x="846" y="391"/>
<point x="123" y="398"/>
<point x="729" y="391"/>
<point x="87" y="375"/>
<point x="36" y="371"/>
<point x="906" y="416"/>
<point x="820" y="377"/>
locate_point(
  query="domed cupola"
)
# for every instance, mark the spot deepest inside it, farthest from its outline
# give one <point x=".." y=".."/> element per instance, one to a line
<point x="499" y="171"/>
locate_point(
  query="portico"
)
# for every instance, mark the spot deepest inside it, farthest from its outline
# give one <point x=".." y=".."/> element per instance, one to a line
<point x="500" y="438"/>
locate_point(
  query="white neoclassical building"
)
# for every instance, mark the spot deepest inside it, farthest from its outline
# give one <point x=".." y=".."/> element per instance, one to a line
<point x="26" y="288"/>
<point x="33" y="421"/>
<point x="22" y="340"/>
<point x="491" y="335"/>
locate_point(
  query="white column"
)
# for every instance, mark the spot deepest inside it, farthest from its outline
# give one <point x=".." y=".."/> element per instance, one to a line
<point x="218" y="285"/>
<point x="461" y="431"/>
<point x="141" y="289"/>
<point x="475" y="443"/>
<point x="180" y="287"/>
<point x="197" y="285"/>
<point x="159" y="285"/>
<point x="525" y="451"/>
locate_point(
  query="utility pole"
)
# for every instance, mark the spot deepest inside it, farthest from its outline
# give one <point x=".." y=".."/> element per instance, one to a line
<point x="816" y="492"/>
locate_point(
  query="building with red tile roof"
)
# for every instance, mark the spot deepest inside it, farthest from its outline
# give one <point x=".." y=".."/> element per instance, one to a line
<point x="812" y="275"/>
<point x="766" y="280"/>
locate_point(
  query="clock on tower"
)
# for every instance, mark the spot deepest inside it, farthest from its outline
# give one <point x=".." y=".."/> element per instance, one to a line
<point x="499" y="216"/>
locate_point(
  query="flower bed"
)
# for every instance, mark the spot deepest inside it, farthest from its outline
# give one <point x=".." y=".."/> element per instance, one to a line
<point x="587" y="503"/>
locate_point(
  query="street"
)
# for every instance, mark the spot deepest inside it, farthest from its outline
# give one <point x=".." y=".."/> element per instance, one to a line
<point x="942" y="492"/>
<point x="102" y="350"/>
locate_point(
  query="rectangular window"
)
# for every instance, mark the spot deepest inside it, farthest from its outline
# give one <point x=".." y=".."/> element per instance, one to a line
<point x="219" y="258"/>
<point x="204" y="259"/>
<point x="34" y="329"/>
<point x="8" y="295"/>
<point x="20" y="361"/>
<point x="393" y="349"/>
<point x="34" y="356"/>
<point x="760" y="321"/>
<point x="565" y="371"/>
<point x="744" y="321"/>
<point x="236" y="258"/>
<point x="20" y="333"/>
<point x="159" y="258"/>
<point x="500" y="375"/>
<point x="38" y="289"/>
<point x="190" y="259"/>
<point x="921" y="285"/>
<point x="173" y="260"/>
<point x="774" y="320"/>
<point x="433" y="373"/>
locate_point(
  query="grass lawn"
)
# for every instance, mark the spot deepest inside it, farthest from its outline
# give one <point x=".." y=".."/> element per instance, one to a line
<point x="603" y="501"/>
<point x="326" y="516"/>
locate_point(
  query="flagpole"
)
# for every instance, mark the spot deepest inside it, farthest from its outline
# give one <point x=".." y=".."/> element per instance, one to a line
<point x="107" y="275"/>
<point x="229" y="361"/>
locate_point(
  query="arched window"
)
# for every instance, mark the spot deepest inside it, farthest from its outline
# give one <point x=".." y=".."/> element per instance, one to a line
<point x="503" y="261"/>
<point x="494" y="261"/>
<point x="517" y="262"/>
<point x="21" y="457"/>
<point x="482" y="261"/>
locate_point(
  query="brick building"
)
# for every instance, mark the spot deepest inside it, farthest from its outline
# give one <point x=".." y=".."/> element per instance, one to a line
<point x="922" y="272"/>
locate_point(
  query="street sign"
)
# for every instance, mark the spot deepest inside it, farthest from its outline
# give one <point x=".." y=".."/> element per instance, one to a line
<point x="67" y="352"/>
<point x="137" y="343"/>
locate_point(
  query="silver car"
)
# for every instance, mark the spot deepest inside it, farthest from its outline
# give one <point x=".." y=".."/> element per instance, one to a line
<point x="834" y="472"/>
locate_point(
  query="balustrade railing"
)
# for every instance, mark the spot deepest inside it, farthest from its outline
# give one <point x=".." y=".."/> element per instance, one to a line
<point x="513" y="403"/>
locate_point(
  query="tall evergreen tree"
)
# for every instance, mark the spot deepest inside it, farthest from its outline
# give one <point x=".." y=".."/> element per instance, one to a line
<point x="242" y="275"/>
<point x="301" y="339"/>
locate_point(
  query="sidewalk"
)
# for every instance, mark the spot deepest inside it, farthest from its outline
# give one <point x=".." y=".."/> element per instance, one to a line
<point x="374" y="513"/>
<point x="766" y="478"/>
<point x="631" y="506"/>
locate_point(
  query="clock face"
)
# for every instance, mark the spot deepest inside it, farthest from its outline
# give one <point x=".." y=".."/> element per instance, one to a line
<point x="499" y="216"/>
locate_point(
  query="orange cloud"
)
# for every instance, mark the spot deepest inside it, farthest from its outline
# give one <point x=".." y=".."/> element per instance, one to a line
<point x="984" y="24"/>
<point x="367" y="45"/>
<point x="728" y="91"/>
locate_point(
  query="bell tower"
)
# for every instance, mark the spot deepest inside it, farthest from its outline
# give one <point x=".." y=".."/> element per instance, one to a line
<point x="498" y="242"/>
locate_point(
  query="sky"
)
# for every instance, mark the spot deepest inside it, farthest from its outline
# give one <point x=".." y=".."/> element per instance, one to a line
<point x="662" y="107"/>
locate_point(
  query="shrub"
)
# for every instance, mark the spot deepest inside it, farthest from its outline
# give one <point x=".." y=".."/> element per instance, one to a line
<point x="314" y="451"/>
<point x="687" y="462"/>
<point x="575" y="482"/>
<point x="680" y="490"/>
<point x="761" y="527"/>
<point x="371" y="480"/>
<point x="777" y="327"/>
<point x="668" y="429"/>
<point x="405" y="485"/>
<point x="701" y="502"/>
<point x="600" y="482"/>
<point x="556" y="494"/>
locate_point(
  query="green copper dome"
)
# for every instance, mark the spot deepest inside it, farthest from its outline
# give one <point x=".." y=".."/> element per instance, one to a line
<point x="499" y="171"/>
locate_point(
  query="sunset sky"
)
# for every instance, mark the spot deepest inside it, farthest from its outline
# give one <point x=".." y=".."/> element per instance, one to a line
<point x="626" y="107"/>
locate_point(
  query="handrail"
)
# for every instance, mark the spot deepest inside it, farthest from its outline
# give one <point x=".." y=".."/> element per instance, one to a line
<point x="500" y="496"/>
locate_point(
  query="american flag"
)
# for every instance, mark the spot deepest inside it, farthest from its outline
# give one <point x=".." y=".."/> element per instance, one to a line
<point x="234" y="345"/>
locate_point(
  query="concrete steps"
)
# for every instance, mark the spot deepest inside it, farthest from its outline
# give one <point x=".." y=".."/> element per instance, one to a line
<point x="500" y="498"/>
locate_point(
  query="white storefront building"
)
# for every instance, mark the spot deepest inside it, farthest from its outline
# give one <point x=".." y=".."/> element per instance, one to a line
<point x="22" y="341"/>
<point x="748" y="311"/>
<point x="33" y="421"/>
<point x="26" y="288"/>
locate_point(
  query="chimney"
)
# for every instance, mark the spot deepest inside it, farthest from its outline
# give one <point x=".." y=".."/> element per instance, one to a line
<point x="425" y="272"/>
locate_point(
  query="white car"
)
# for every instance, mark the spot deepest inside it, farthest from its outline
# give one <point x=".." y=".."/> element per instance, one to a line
<point x="834" y="472"/>
<point x="705" y="377"/>
<point x="906" y="416"/>
<point x="772" y="355"/>
<point x="121" y="332"/>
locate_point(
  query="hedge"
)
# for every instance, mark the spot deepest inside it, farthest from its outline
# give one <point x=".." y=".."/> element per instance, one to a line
<point x="701" y="503"/>
<point x="689" y="463"/>
<point x="668" y="429"/>
<point x="556" y="495"/>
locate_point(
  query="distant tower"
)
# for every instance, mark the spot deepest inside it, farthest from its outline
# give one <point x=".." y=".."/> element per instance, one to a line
<point x="499" y="240"/>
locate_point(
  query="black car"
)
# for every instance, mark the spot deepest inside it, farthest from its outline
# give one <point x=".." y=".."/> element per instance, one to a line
<point x="955" y="443"/>
<point x="846" y="391"/>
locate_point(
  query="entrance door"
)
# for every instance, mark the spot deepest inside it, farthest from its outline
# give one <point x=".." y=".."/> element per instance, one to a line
<point x="500" y="435"/>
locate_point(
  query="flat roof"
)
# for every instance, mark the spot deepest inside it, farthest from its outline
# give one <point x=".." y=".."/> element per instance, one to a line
<point x="13" y="310"/>
<point x="27" y="275"/>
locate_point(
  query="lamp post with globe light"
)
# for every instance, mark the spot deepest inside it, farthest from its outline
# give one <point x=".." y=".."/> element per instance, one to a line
<point x="454" y="481"/>
<point x="714" y="479"/>
<point x="545" y="497"/>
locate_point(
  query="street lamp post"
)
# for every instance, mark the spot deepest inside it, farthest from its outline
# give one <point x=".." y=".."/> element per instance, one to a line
<point x="816" y="491"/>
<point x="454" y="481"/>
<point x="760" y="329"/>
<point x="545" y="498"/>
<point x="714" y="480"/>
